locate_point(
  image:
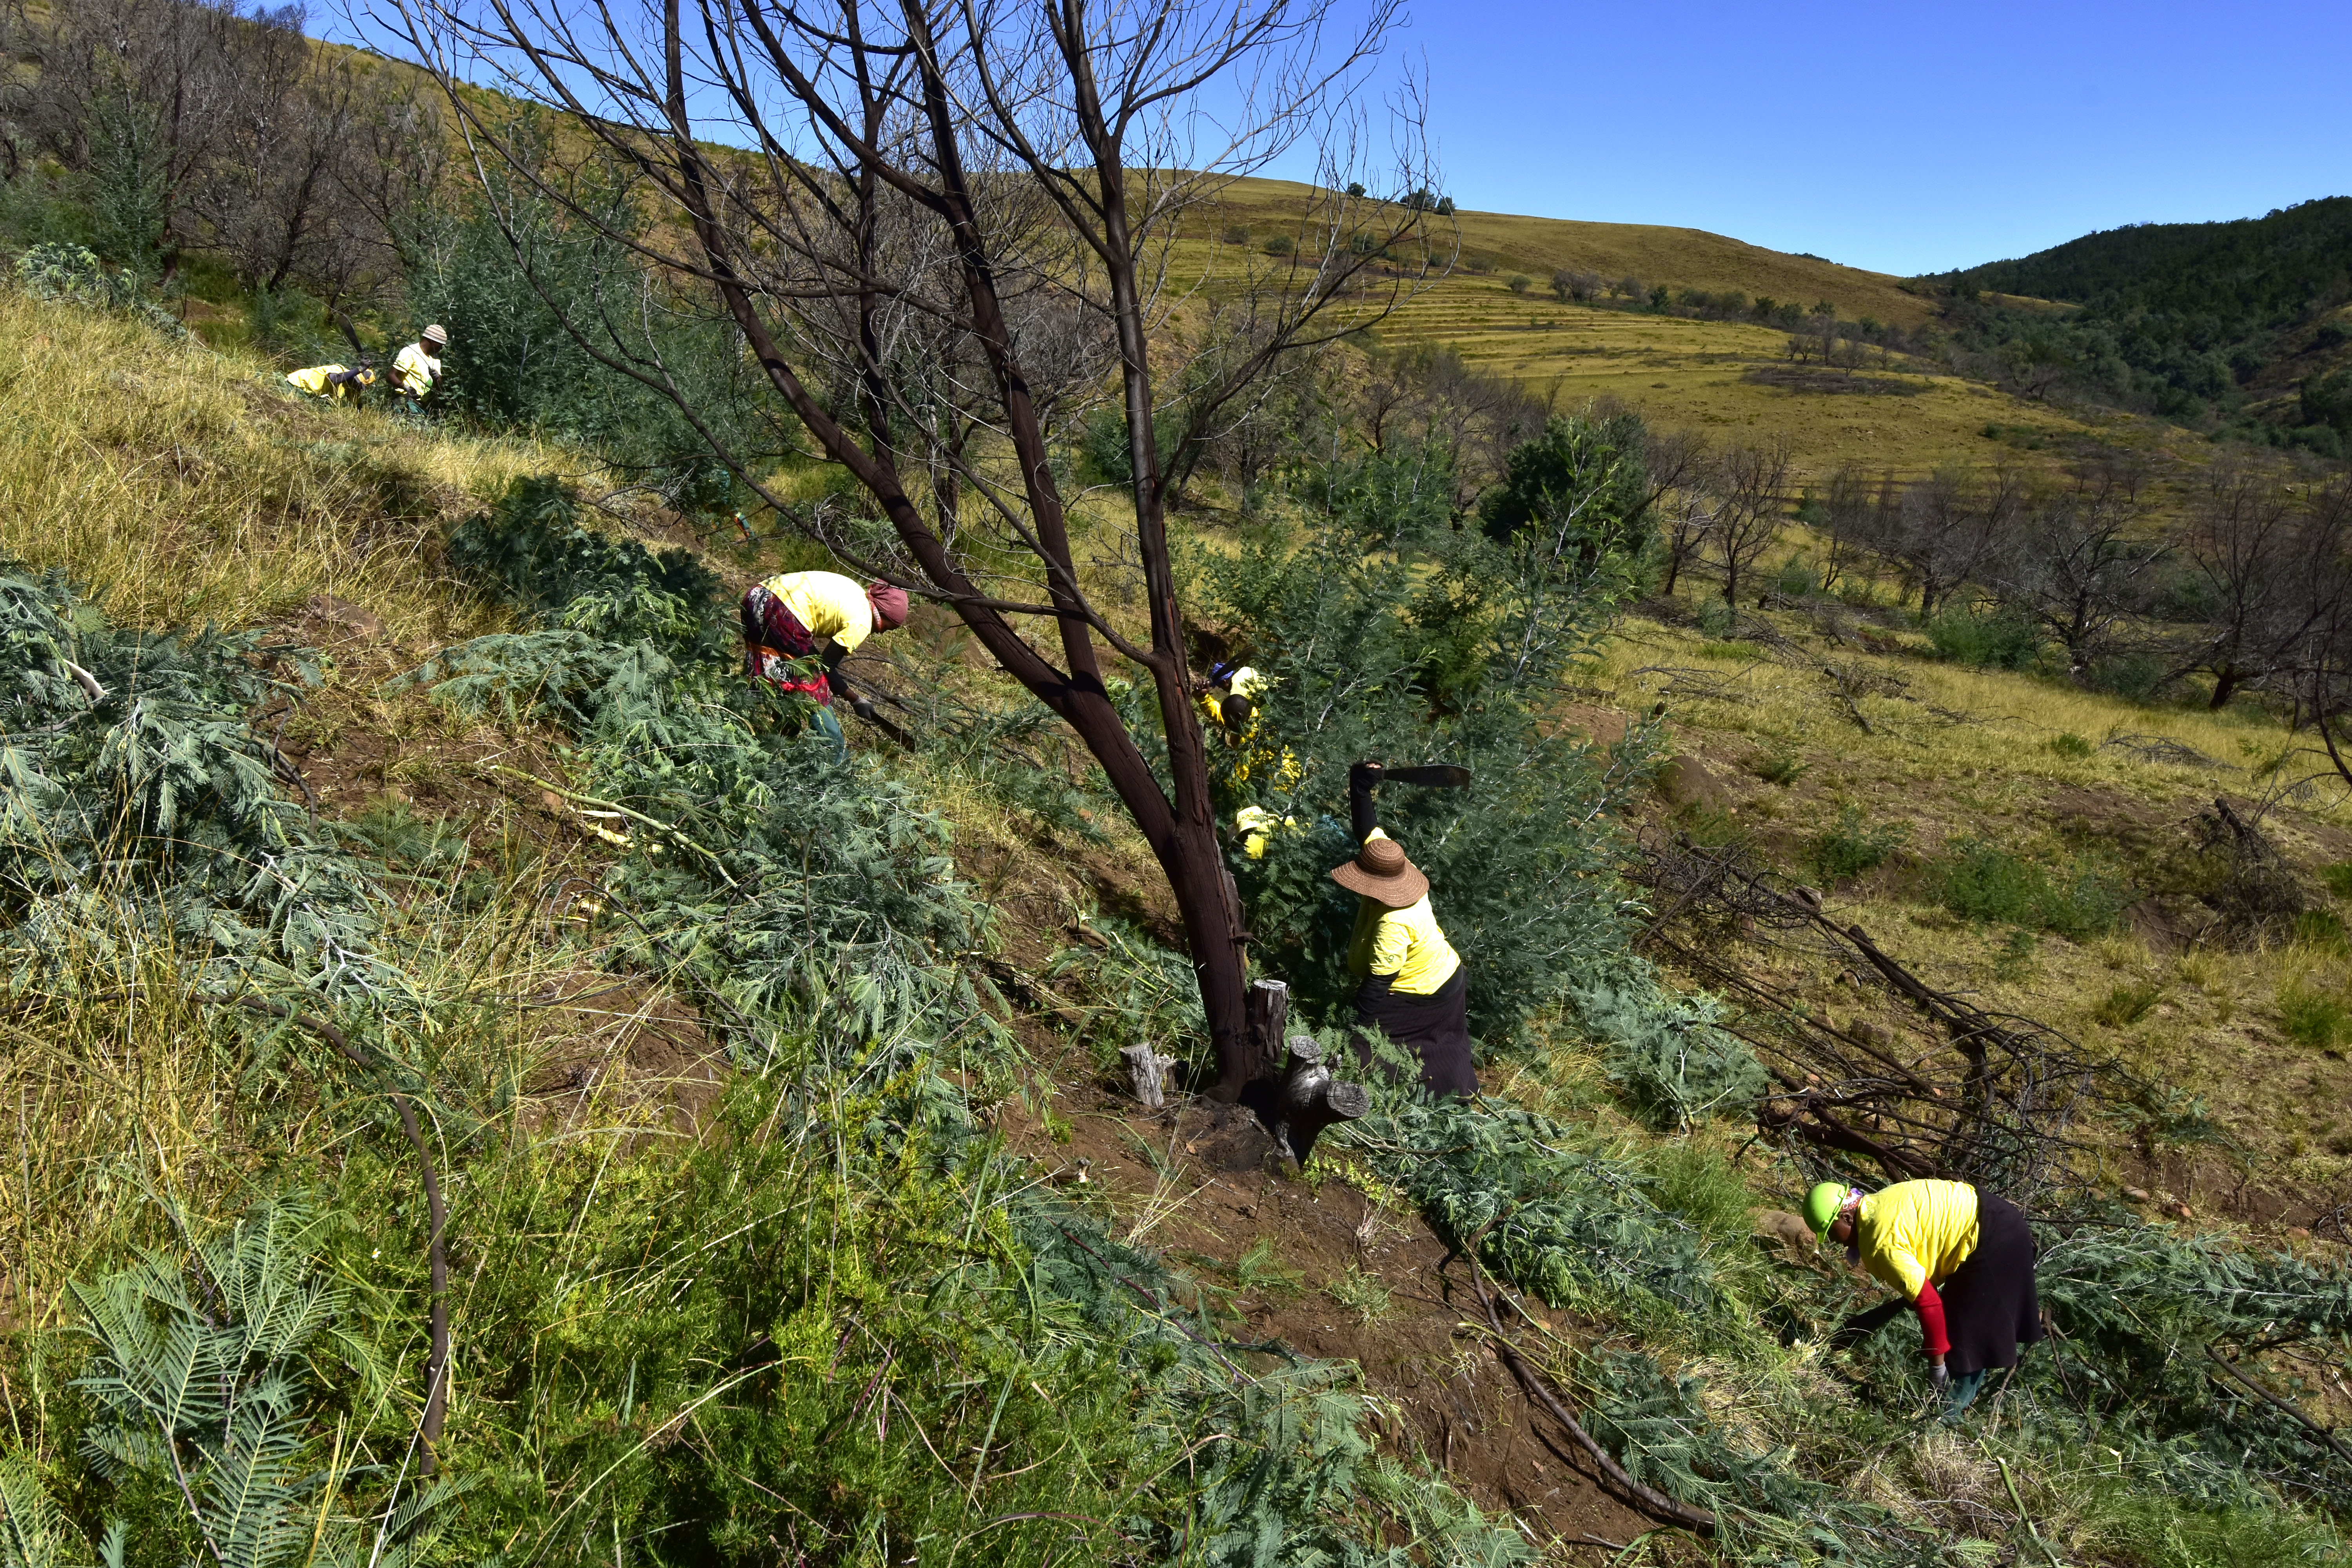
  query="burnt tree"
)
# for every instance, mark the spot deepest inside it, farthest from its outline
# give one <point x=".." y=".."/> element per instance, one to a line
<point x="943" y="231"/>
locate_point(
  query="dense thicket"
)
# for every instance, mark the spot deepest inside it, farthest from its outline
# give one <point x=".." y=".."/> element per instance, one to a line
<point x="2188" y="319"/>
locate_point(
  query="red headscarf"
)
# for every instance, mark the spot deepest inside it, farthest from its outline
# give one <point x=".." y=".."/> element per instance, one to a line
<point x="889" y="605"/>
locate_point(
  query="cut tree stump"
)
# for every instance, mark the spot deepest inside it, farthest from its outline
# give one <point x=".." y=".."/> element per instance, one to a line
<point x="1147" y="1072"/>
<point x="1312" y="1098"/>
<point x="1269" y="1018"/>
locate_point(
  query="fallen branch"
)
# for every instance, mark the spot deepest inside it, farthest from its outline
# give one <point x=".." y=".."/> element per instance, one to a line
<point x="1651" y="1500"/>
<point x="657" y="823"/>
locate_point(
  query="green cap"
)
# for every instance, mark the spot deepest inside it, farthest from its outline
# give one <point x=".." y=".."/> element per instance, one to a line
<point x="1822" y="1205"/>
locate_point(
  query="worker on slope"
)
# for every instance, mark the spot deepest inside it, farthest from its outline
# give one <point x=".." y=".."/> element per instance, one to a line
<point x="1413" y="989"/>
<point x="1963" y="1261"/>
<point x="419" y="366"/>
<point x="820" y="615"/>
<point x="335" y="382"/>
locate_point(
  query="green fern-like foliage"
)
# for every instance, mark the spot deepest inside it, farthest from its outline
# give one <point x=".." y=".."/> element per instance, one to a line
<point x="138" y="792"/>
<point x="207" y="1376"/>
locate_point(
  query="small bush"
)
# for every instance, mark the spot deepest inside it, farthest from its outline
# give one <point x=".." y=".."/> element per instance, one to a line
<point x="2076" y="899"/>
<point x="1984" y="641"/>
<point x="1783" y="768"/>
<point x="1361" y="1294"/>
<point x="1279" y="245"/>
<point x="2126" y="1004"/>
<point x="2313" y="1018"/>
<point x="2136" y="678"/>
<point x="1521" y="282"/>
<point x="2339" y="879"/>
<point x="1850" y="848"/>
<point x="2072" y="745"/>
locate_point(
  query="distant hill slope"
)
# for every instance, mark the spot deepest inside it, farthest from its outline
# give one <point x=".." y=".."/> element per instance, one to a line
<point x="2247" y="273"/>
<point x="2239" y="327"/>
<point x="1681" y="257"/>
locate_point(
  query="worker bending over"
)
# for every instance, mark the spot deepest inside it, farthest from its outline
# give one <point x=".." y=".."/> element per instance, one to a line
<point x="1413" y="990"/>
<point x="333" y="382"/>
<point x="1963" y="1261"/>
<point x="419" y="366"/>
<point x="822" y="616"/>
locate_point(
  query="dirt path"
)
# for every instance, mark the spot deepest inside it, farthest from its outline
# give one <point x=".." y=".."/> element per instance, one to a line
<point x="1200" y="1184"/>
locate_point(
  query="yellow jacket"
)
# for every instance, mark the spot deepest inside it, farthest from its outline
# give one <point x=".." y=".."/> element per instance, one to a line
<point x="319" y="381"/>
<point x="828" y="604"/>
<point x="1915" y="1233"/>
<point x="1406" y="944"/>
<point x="414" y="371"/>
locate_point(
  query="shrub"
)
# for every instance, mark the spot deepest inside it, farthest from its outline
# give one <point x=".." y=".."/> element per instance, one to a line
<point x="2072" y="745"/>
<point x="1279" y="245"/>
<point x="2313" y="1017"/>
<point x="1521" y="282"/>
<point x="1849" y="847"/>
<point x="1993" y="641"/>
<point x="1781" y="767"/>
<point x="2077" y="899"/>
<point x="2339" y="879"/>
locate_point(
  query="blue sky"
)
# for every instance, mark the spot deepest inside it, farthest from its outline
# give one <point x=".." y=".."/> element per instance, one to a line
<point x="1903" y="138"/>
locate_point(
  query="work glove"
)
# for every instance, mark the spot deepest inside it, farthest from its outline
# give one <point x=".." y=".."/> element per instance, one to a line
<point x="1943" y="1377"/>
<point x="863" y="707"/>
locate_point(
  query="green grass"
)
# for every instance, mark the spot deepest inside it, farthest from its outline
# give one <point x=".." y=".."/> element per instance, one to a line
<point x="2077" y="897"/>
<point x="2314" y="1019"/>
<point x="2127" y="1005"/>
<point x="1849" y="847"/>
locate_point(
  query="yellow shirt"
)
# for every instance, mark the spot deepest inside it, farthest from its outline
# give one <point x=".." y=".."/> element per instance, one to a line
<point x="1406" y="944"/>
<point x="414" y="371"/>
<point x="828" y="604"/>
<point x="318" y="380"/>
<point x="1913" y="1232"/>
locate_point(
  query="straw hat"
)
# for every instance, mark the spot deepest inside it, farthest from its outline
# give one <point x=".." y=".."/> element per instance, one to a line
<point x="437" y="335"/>
<point x="1382" y="873"/>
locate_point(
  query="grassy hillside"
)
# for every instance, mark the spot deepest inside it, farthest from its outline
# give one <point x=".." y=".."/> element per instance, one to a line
<point x="1733" y="380"/>
<point x="797" y="1208"/>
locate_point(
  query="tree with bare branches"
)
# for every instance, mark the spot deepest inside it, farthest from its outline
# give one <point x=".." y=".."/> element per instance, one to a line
<point x="1749" y="487"/>
<point x="940" y="227"/>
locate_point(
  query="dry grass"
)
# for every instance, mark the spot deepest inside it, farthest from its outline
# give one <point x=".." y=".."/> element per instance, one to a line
<point x="1679" y="371"/>
<point x="1680" y="258"/>
<point x="1961" y="753"/>
<point x="186" y="486"/>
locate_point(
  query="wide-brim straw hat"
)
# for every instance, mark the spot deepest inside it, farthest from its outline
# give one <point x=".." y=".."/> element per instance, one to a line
<point x="1382" y="873"/>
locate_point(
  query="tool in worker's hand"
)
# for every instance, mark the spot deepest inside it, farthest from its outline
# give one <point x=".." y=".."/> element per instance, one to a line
<point x="1436" y="775"/>
<point x="865" y="710"/>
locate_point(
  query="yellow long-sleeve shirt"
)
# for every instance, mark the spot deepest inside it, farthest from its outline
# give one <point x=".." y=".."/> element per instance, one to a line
<point x="1406" y="944"/>
<point x="828" y="604"/>
<point x="1914" y="1233"/>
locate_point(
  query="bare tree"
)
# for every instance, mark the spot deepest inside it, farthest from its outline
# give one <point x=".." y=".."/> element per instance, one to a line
<point x="946" y="213"/>
<point x="1749" y="487"/>
<point x="1684" y="505"/>
<point x="1940" y="532"/>
<point x="2271" y="576"/>
<point x="2080" y="564"/>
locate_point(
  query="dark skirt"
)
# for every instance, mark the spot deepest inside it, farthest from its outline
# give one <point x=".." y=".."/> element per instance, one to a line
<point x="1436" y="1027"/>
<point x="1991" y="1308"/>
<point x="774" y="644"/>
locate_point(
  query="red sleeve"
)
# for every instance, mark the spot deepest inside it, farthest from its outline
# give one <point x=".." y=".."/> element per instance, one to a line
<point x="1930" y="1308"/>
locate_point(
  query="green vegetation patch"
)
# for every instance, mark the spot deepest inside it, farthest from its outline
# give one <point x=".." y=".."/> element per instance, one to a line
<point x="2078" y="898"/>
